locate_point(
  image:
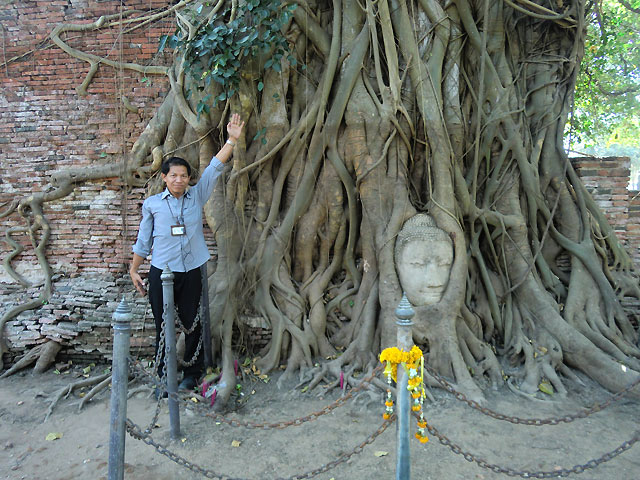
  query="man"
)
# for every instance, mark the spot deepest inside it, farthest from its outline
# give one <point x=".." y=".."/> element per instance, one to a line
<point x="171" y="226"/>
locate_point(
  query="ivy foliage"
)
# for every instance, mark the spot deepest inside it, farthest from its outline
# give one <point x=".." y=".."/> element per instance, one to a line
<point x="607" y="97"/>
<point x="222" y="47"/>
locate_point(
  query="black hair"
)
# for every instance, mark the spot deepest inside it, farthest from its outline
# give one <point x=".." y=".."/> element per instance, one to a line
<point x="175" y="161"/>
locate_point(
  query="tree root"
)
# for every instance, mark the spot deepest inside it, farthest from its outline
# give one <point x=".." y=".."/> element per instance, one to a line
<point x="43" y="355"/>
<point x="94" y="391"/>
<point x="66" y="391"/>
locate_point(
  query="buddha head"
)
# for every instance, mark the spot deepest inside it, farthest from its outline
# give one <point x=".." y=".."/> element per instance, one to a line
<point x="424" y="255"/>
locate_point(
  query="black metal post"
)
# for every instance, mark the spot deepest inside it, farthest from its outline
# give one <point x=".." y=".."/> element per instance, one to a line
<point x="404" y="313"/>
<point x="170" y="355"/>
<point x="119" y="382"/>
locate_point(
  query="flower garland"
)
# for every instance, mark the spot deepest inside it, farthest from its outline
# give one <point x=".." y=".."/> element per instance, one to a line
<point x="392" y="357"/>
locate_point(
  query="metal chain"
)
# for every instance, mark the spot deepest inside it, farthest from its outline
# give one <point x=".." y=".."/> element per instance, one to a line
<point x="188" y="331"/>
<point x="136" y="433"/>
<point x="200" y="409"/>
<point x="145" y="436"/>
<point x="564" y="472"/>
<point x="530" y="421"/>
<point x="194" y="357"/>
<point x="195" y="323"/>
<point x="160" y="349"/>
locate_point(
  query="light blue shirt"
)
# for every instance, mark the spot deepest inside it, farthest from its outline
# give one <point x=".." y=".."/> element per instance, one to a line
<point x="159" y="212"/>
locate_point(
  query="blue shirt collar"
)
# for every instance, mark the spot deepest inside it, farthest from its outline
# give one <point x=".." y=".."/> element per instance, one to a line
<point x="166" y="193"/>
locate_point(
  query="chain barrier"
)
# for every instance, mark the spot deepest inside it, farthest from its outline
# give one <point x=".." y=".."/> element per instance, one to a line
<point x="536" y="422"/>
<point x="188" y="331"/>
<point x="290" y="423"/>
<point x="160" y="350"/>
<point x="139" y="371"/>
<point x="136" y="433"/>
<point x="146" y="437"/>
<point x="265" y="426"/>
<point x="564" y="472"/>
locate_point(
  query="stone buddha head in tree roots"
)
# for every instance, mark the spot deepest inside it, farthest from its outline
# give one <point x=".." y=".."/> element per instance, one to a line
<point x="424" y="255"/>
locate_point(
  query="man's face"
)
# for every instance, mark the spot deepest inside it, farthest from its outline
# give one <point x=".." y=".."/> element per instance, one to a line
<point x="177" y="180"/>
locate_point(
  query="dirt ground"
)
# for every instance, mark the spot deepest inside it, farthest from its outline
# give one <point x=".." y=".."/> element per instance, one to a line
<point x="82" y="450"/>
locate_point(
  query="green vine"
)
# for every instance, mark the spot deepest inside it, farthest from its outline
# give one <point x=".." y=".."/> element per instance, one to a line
<point x="221" y="46"/>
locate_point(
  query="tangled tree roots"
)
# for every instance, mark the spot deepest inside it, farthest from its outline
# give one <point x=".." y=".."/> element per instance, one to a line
<point x="456" y="108"/>
<point x="43" y="355"/>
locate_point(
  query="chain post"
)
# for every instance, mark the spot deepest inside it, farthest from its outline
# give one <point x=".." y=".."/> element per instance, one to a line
<point x="170" y="357"/>
<point x="404" y="314"/>
<point x="119" y="380"/>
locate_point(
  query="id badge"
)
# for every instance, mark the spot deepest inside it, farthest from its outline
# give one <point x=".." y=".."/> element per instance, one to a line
<point x="178" y="230"/>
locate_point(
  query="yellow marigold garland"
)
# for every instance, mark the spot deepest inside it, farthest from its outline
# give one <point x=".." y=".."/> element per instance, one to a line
<point x="410" y="361"/>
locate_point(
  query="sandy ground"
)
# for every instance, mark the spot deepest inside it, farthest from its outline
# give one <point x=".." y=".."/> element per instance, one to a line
<point x="83" y="449"/>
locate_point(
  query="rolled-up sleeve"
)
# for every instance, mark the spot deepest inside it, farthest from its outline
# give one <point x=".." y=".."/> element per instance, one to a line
<point x="144" y="241"/>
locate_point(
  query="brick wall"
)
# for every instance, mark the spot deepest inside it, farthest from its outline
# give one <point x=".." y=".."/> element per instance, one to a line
<point x="46" y="126"/>
<point x="607" y="179"/>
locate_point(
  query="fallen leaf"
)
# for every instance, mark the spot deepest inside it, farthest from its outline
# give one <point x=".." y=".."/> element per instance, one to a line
<point x="304" y="389"/>
<point x="194" y="400"/>
<point x="546" y="388"/>
<point x="184" y="439"/>
<point x="86" y="369"/>
<point x="380" y="453"/>
<point x="235" y="443"/>
<point x="53" y="436"/>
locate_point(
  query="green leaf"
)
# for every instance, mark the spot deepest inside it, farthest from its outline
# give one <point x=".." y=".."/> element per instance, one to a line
<point x="163" y="42"/>
<point x="260" y="86"/>
<point x="545" y="387"/>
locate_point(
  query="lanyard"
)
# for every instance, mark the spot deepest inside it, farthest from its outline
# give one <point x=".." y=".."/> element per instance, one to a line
<point x="179" y="219"/>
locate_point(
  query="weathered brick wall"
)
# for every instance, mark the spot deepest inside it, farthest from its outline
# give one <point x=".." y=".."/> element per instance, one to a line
<point x="45" y="126"/>
<point x="607" y="179"/>
<point x="633" y="226"/>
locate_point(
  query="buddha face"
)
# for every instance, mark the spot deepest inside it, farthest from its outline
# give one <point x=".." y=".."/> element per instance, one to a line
<point x="424" y="263"/>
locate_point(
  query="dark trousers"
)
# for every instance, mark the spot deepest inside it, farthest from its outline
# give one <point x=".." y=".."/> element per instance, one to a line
<point x="187" y="288"/>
